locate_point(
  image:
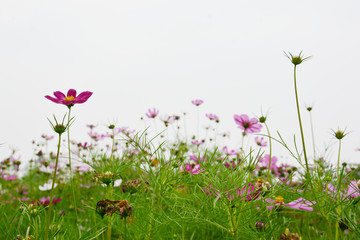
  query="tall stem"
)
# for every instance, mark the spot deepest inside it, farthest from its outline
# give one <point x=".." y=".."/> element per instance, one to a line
<point x="270" y="146"/>
<point x="52" y="189"/>
<point x="338" y="209"/>
<point x="198" y="119"/>
<point x="113" y="144"/>
<point x="301" y="129"/>
<point x="70" y="167"/>
<point x="338" y="168"/>
<point x="68" y="136"/>
<point x="312" y="134"/>
<point x="125" y="227"/>
<point x="109" y="194"/>
<point x="242" y="143"/>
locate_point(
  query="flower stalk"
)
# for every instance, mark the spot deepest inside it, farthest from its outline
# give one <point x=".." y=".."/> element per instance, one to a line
<point x="296" y="60"/>
<point x="60" y="129"/>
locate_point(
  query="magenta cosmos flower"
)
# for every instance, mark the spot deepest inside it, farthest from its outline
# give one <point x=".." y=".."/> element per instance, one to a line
<point x="260" y="142"/>
<point x="300" y="204"/>
<point x="212" y="117"/>
<point x="248" y="125"/>
<point x="197" y="102"/>
<point x="193" y="168"/>
<point x="152" y="113"/>
<point x="70" y="99"/>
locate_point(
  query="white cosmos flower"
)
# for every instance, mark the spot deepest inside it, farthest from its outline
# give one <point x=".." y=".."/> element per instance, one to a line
<point x="47" y="186"/>
<point x="117" y="183"/>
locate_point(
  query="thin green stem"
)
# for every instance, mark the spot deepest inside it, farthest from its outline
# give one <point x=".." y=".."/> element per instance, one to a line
<point x="68" y="136"/>
<point x="338" y="209"/>
<point x="242" y="143"/>
<point x="198" y="122"/>
<point x="125" y="227"/>
<point x="52" y="189"/>
<point x="270" y="146"/>
<point x="301" y="129"/>
<point x="70" y="167"/>
<point x="110" y="193"/>
<point x="338" y="169"/>
<point x="113" y="144"/>
<point x="312" y="134"/>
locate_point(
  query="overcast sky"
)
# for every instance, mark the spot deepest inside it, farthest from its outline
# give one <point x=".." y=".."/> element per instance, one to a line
<point x="139" y="54"/>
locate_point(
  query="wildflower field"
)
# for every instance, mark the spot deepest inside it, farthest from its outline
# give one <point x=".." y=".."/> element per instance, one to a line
<point x="128" y="184"/>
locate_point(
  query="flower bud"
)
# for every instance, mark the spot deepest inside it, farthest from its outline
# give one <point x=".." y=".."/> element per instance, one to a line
<point x="262" y="119"/>
<point x="339" y="134"/>
<point x="59" y="128"/>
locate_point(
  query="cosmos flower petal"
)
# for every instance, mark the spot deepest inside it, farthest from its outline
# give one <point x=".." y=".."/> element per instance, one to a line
<point x="53" y="99"/>
<point x="71" y="92"/>
<point x="84" y="95"/>
<point x="59" y="95"/>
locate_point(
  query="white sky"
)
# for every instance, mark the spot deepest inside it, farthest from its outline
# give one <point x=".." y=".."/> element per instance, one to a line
<point x="139" y="54"/>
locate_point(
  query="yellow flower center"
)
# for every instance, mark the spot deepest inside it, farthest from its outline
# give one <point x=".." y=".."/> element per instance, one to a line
<point x="279" y="199"/>
<point x="69" y="98"/>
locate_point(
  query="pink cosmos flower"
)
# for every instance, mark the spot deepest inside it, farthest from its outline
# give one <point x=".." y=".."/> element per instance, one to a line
<point x="195" y="159"/>
<point x="124" y="130"/>
<point x="193" y="168"/>
<point x="152" y="113"/>
<point x="265" y="164"/>
<point x="229" y="153"/>
<point x="197" y="102"/>
<point x="211" y="191"/>
<point x="247" y="193"/>
<point x="353" y="190"/>
<point x="260" y="142"/>
<point x="233" y="164"/>
<point x="96" y="136"/>
<point x="9" y="177"/>
<point x="212" y="117"/>
<point x="46" y="201"/>
<point x="300" y="204"/>
<point x="82" y="168"/>
<point x="46" y="137"/>
<point x="70" y="99"/>
<point x="198" y="143"/>
<point x="166" y="119"/>
<point x="91" y="126"/>
<point x="248" y="125"/>
<point x="331" y="189"/>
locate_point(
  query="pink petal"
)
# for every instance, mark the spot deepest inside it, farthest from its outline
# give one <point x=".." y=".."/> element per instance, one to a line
<point x="59" y="95"/>
<point x="83" y="97"/>
<point x="71" y="92"/>
<point x="53" y="99"/>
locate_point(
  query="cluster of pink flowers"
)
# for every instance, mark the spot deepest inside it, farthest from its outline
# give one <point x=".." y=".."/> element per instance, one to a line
<point x="265" y="161"/>
<point x="247" y="193"/>
<point x="9" y="177"/>
<point x="211" y="191"/>
<point x="44" y="201"/>
<point x="353" y="191"/>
